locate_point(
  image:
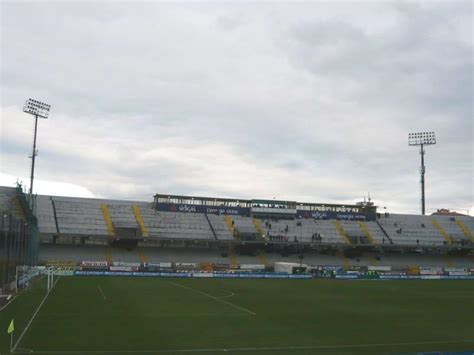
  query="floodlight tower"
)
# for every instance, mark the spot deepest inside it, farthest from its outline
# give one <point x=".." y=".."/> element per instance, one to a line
<point x="37" y="109"/>
<point x="421" y="139"/>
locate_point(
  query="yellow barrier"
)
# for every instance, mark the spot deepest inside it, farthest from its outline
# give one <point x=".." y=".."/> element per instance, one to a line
<point x="139" y="218"/>
<point x="442" y="231"/>
<point x="342" y="232"/>
<point x="108" y="219"/>
<point x="465" y="230"/>
<point x="367" y="233"/>
<point x="228" y="221"/>
<point x="258" y="227"/>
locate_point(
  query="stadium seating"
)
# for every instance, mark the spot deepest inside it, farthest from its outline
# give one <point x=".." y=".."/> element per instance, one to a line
<point x="45" y="215"/>
<point x="89" y="217"/>
<point x="244" y="225"/>
<point x="423" y="230"/>
<point x="454" y="227"/>
<point x="6" y="195"/>
<point x="179" y="225"/>
<point x="302" y="230"/>
<point x="220" y="227"/>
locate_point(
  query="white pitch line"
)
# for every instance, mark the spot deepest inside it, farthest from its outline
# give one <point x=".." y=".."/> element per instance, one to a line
<point x="102" y="292"/>
<point x="214" y="298"/>
<point x="34" y="315"/>
<point x="8" y="303"/>
<point x="16" y="296"/>
<point x="275" y="348"/>
<point x="120" y="314"/>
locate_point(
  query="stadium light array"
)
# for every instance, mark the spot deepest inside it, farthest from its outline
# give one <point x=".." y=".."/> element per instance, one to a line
<point x="421" y="139"/>
<point x="37" y="109"/>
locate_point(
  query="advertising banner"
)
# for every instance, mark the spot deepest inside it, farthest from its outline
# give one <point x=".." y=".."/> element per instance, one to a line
<point x="252" y="266"/>
<point x="146" y="274"/>
<point x="379" y="268"/>
<point x="390" y="277"/>
<point x="172" y="207"/>
<point x="265" y="275"/>
<point x="89" y="273"/>
<point x="251" y="276"/>
<point x="302" y="276"/>
<point x="347" y="216"/>
<point x="454" y="269"/>
<point x="458" y="273"/>
<point x="226" y="275"/>
<point x="345" y="276"/>
<point x="431" y="271"/>
<point x="123" y="268"/>
<point x="203" y="274"/>
<point x="332" y="267"/>
<point x="188" y="265"/>
<point x="244" y="211"/>
<point x="94" y="263"/>
<point x="468" y="277"/>
<point x="122" y="263"/>
<point x="158" y="265"/>
<point x="176" y="274"/>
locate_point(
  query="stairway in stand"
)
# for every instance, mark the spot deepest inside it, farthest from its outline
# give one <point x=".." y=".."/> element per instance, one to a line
<point x="342" y="232"/>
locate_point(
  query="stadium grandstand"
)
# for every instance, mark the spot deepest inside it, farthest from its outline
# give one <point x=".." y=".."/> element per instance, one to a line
<point x="228" y="232"/>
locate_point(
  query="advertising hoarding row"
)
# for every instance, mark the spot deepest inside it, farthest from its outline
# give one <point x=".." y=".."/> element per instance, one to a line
<point x="244" y="211"/>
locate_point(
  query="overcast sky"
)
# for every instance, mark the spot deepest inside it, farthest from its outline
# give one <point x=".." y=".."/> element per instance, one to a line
<point x="306" y="101"/>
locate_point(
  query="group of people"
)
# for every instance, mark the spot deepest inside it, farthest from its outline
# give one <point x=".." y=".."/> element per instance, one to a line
<point x="316" y="237"/>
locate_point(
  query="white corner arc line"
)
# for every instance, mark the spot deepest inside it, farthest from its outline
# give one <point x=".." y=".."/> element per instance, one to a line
<point x="34" y="315"/>
<point x="214" y="298"/>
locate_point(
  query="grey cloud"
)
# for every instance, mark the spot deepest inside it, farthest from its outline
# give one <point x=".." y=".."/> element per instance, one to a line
<point x="300" y="101"/>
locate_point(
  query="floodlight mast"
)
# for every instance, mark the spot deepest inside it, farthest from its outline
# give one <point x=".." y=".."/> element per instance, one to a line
<point x="421" y="139"/>
<point x="37" y="109"/>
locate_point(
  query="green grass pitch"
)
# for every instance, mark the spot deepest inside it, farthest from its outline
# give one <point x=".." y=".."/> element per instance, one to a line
<point x="120" y="315"/>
